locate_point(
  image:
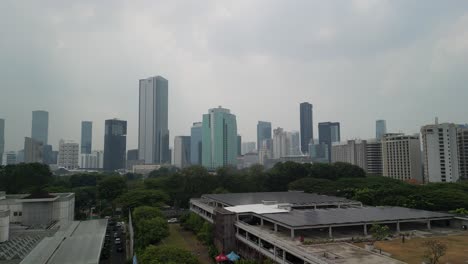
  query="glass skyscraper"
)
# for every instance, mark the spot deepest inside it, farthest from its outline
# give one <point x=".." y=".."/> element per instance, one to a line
<point x="153" y="132"/>
<point x="219" y="138"/>
<point x="86" y="137"/>
<point x="307" y="132"/>
<point x="115" y="144"/>
<point x="329" y="132"/>
<point x="2" y="138"/>
<point x="263" y="132"/>
<point x="380" y="129"/>
<point x="196" y="144"/>
<point x="40" y="126"/>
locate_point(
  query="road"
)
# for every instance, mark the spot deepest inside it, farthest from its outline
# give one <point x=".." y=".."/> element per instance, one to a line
<point x="115" y="256"/>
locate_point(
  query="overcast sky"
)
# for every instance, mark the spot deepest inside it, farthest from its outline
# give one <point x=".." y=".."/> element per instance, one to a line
<point x="355" y="61"/>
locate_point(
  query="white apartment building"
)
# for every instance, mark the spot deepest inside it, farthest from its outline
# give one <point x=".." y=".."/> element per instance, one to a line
<point x="352" y="151"/>
<point x="440" y="153"/>
<point x="280" y="143"/>
<point x="462" y="142"/>
<point x="68" y="156"/>
<point x="95" y="160"/>
<point x="401" y="157"/>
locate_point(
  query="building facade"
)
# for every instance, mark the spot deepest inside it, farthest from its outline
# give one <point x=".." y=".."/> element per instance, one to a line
<point x="401" y="157"/>
<point x="196" y="144"/>
<point x="115" y="144"/>
<point x="307" y="128"/>
<point x="294" y="144"/>
<point x="266" y="151"/>
<point x="281" y="144"/>
<point x="69" y="155"/>
<point x="248" y="147"/>
<point x="182" y="151"/>
<point x="462" y="142"/>
<point x="9" y="158"/>
<point x="2" y="139"/>
<point x="239" y="145"/>
<point x="380" y="129"/>
<point x="86" y="137"/>
<point x="329" y="132"/>
<point x="219" y="138"/>
<point x="32" y="150"/>
<point x="352" y="152"/>
<point x="40" y="126"/>
<point x="95" y="160"/>
<point x="263" y="132"/>
<point x="374" y="157"/>
<point x="440" y="153"/>
<point x="319" y="153"/>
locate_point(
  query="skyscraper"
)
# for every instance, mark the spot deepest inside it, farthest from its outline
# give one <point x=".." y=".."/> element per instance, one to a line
<point x="462" y="142"/>
<point x="86" y="137"/>
<point x="40" y="126"/>
<point x="2" y="138"/>
<point x="239" y="145"/>
<point x="182" y="151"/>
<point x="219" y="138"/>
<point x="115" y="144"/>
<point x="263" y="132"/>
<point x="380" y="129"/>
<point x="280" y="143"/>
<point x="196" y="144"/>
<point x="153" y="132"/>
<point x="307" y="132"/>
<point x="32" y="150"/>
<point x="294" y="144"/>
<point x="329" y="132"/>
<point x="69" y="155"/>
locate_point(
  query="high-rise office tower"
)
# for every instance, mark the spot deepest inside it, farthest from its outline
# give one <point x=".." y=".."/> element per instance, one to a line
<point x="280" y="143"/>
<point x="329" y="132"/>
<point x="115" y="144"/>
<point x="182" y="151"/>
<point x="40" y="126"/>
<point x="9" y="158"/>
<point x="462" y="142"/>
<point x="401" y="157"/>
<point x="69" y="155"/>
<point x="153" y="132"/>
<point x="248" y="147"/>
<point x="219" y="138"/>
<point x="307" y="132"/>
<point x="263" y="132"/>
<point x="440" y="153"/>
<point x="32" y="150"/>
<point x="239" y="145"/>
<point x="86" y="137"/>
<point x="2" y="139"/>
<point x="196" y="144"/>
<point x="380" y="129"/>
<point x="294" y="144"/>
<point x="48" y="155"/>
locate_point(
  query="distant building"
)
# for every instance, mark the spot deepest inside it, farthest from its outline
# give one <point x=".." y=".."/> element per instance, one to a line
<point x="294" y="144"/>
<point x="220" y="141"/>
<point x="196" y="144"/>
<point x="40" y="126"/>
<point x="86" y="137"/>
<point x="329" y="132"/>
<point x="239" y="145"/>
<point x="248" y="147"/>
<point x="401" y="157"/>
<point x="280" y="143"/>
<point x="263" y="132"/>
<point x="182" y="151"/>
<point x="48" y="156"/>
<point x="353" y="152"/>
<point x="374" y="157"/>
<point x="20" y="156"/>
<point x="247" y="160"/>
<point x="9" y="158"/>
<point x="2" y="139"/>
<point x="380" y="129"/>
<point x="319" y="153"/>
<point x="440" y="153"/>
<point x="307" y="132"/>
<point x="115" y="144"/>
<point x="132" y="159"/>
<point x="462" y="142"/>
<point x="153" y="132"/>
<point x="69" y="155"/>
<point x="145" y="169"/>
<point x="266" y="151"/>
<point x="32" y="150"/>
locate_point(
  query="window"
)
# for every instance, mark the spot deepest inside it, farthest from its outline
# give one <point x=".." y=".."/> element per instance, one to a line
<point x="15" y="213"/>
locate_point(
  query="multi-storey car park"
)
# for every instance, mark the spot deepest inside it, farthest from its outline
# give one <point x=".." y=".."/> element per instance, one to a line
<point x="275" y="225"/>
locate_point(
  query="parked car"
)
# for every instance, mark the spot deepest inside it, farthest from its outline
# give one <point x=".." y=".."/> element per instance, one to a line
<point x="173" y="220"/>
<point x="119" y="249"/>
<point x="116" y="234"/>
<point x="117" y="241"/>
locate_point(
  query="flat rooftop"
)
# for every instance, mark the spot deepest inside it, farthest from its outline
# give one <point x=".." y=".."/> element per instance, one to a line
<point x="355" y="215"/>
<point x="294" y="198"/>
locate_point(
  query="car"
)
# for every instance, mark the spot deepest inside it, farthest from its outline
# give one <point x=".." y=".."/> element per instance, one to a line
<point x="118" y="241"/>
<point x="173" y="220"/>
<point x="119" y="249"/>
<point x="116" y="234"/>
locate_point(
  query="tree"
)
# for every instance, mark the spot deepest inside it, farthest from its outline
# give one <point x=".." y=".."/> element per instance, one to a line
<point x="435" y="249"/>
<point x="347" y="170"/>
<point x="151" y="231"/>
<point x="80" y="180"/>
<point x="140" y="197"/>
<point x="379" y="232"/>
<point x="166" y="254"/>
<point x="145" y="212"/>
<point x="459" y="211"/>
<point x="23" y="178"/>
<point x="111" y="187"/>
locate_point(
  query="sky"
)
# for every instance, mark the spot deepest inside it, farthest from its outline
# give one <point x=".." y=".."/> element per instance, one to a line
<point x="355" y="61"/>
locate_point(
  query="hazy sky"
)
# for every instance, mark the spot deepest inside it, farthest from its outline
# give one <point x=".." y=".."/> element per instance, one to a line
<point x="355" y="61"/>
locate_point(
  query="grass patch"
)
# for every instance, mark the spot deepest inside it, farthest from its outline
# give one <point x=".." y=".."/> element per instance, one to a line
<point x="175" y="237"/>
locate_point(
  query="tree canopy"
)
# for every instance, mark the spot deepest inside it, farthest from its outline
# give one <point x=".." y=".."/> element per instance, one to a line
<point x="166" y="255"/>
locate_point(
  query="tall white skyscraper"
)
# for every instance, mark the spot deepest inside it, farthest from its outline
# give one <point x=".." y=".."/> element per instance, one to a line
<point x="440" y="153"/>
<point x="69" y="154"/>
<point x="153" y="132"/>
<point x="380" y="129"/>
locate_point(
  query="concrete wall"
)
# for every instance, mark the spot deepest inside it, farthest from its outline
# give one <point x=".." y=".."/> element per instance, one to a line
<point x="4" y="225"/>
<point x="38" y="213"/>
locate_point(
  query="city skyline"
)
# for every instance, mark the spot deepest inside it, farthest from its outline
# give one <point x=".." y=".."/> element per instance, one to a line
<point x="388" y="62"/>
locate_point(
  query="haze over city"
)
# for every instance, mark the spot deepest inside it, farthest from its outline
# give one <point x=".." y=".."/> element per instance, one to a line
<point x="355" y="61"/>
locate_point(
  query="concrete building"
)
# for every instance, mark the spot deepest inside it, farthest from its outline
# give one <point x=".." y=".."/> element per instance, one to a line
<point x="145" y="169"/>
<point x="86" y="137"/>
<point x="329" y="132"/>
<point x="266" y="151"/>
<point x="401" y="157"/>
<point x="219" y="138"/>
<point x="440" y="153"/>
<point x="281" y="144"/>
<point x="462" y="142"/>
<point x="153" y="132"/>
<point x="196" y="144"/>
<point x="294" y="144"/>
<point x="20" y="156"/>
<point x="380" y="129"/>
<point x="319" y="153"/>
<point x="248" y="147"/>
<point x="95" y="160"/>
<point x="2" y="139"/>
<point x="247" y="160"/>
<point x="40" y="126"/>
<point x="32" y="150"/>
<point x="132" y="159"/>
<point x="48" y="155"/>
<point x="270" y="225"/>
<point x="182" y="151"/>
<point x="374" y="157"/>
<point x="352" y="152"/>
<point x="9" y="158"/>
<point x="307" y="126"/>
<point x="69" y="155"/>
<point x="263" y="132"/>
<point x="115" y="144"/>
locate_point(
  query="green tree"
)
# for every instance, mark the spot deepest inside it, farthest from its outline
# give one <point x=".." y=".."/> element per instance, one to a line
<point x="111" y="187"/>
<point x="151" y="231"/>
<point x="379" y="232"/>
<point x="459" y="211"/>
<point x="24" y="178"/>
<point x="347" y="170"/>
<point x="140" y="197"/>
<point x="167" y="255"/>
<point x="206" y="233"/>
<point x="145" y="212"/>
<point x="435" y="249"/>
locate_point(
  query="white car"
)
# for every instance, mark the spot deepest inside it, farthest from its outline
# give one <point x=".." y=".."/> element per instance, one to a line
<point x="173" y="220"/>
<point x="117" y="241"/>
